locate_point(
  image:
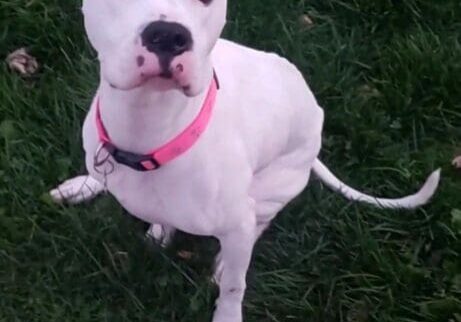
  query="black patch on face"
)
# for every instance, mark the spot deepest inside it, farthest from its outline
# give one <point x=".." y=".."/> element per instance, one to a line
<point x="140" y="61"/>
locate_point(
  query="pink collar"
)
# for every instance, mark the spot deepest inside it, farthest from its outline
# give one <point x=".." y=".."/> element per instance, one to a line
<point x="169" y="151"/>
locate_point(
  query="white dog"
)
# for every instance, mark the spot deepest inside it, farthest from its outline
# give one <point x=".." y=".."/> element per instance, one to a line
<point x="178" y="152"/>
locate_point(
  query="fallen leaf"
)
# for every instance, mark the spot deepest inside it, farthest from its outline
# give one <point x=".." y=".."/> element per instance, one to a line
<point x="306" y="21"/>
<point x="21" y="62"/>
<point x="184" y="254"/>
<point x="368" y="91"/>
<point x="457" y="162"/>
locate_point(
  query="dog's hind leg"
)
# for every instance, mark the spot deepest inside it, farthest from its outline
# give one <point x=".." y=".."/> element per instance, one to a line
<point x="77" y="190"/>
<point x="272" y="188"/>
<point x="278" y="183"/>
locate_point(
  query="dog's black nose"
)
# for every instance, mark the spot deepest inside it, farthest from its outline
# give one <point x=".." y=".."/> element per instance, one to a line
<point x="166" y="38"/>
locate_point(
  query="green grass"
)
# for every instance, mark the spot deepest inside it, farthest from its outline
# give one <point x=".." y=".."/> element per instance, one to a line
<point x="388" y="75"/>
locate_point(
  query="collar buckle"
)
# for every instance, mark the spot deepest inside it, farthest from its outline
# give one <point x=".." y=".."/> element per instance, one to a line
<point x="135" y="161"/>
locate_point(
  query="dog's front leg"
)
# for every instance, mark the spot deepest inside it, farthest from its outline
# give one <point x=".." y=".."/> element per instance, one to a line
<point x="77" y="190"/>
<point x="236" y="249"/>
<point x="84" y="188"/>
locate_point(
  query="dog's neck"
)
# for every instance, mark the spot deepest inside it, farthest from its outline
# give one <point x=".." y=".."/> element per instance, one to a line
<point x="143" y="119"/>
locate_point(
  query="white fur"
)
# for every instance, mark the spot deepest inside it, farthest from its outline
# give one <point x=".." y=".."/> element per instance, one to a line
<point x="255" y="156"/>
<point x="416" y="200"/>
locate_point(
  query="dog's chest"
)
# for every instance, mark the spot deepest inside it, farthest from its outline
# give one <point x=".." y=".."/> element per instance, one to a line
<point x="177" y="194"/>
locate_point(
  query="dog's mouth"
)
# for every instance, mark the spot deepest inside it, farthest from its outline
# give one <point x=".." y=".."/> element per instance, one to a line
<point x="149" y="72"/>
<point x="158" y="82"/>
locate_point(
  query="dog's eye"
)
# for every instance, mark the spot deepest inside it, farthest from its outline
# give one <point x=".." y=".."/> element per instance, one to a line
<point x="206" y="2"/>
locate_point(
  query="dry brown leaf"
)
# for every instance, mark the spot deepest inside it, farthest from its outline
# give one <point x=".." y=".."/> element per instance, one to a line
<point x="367" y="90"/>
<point x="184" y="254"/>
<point x="306" y="21"/>
<point x="457" y="162"/>
<point x="21" y="62"/>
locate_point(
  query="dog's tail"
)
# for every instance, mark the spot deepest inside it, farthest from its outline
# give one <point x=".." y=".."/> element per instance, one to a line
<point x="418" y="199"/>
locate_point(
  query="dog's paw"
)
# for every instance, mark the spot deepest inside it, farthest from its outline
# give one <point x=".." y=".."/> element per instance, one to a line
<point x="160" y="234"/>
<point x="76" y="190"/>
<point x="457" y="162"/>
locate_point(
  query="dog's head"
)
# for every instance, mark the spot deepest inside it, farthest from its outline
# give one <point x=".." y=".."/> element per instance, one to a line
<point x="159" y="43"/>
